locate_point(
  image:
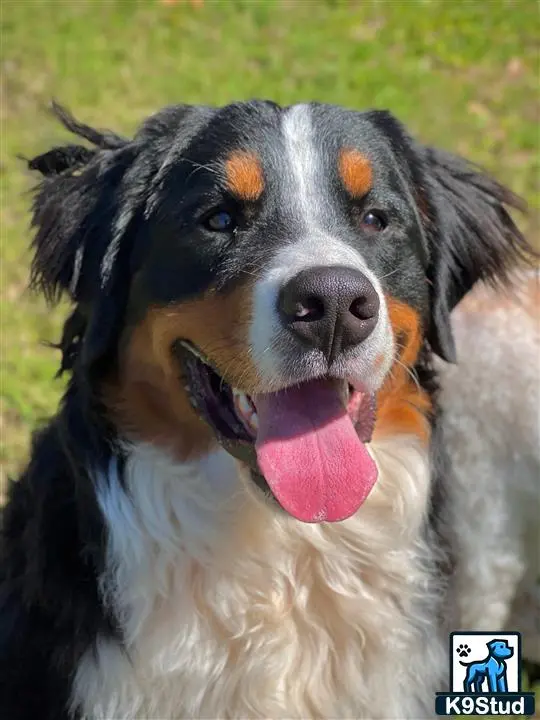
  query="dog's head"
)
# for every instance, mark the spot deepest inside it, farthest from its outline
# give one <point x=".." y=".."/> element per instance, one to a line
<point x="500" y="649"/>
<point x="266" y="277"/>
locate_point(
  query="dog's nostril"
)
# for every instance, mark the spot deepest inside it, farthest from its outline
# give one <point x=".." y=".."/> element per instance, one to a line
<point x="361" y="309"/>
<point x="307" y="309"/>
<point x="365" y="307"/>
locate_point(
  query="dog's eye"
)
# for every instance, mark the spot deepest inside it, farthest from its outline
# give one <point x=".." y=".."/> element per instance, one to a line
<point x="220" y="221"/>
<point x="374" y="221"/>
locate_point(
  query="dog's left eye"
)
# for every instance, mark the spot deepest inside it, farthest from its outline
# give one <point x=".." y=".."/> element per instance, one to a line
<point x="374" y="221"/>
<point x="220" y="221"/>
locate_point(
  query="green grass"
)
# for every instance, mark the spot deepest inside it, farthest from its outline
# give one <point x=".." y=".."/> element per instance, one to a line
<point x="462" y="75"/>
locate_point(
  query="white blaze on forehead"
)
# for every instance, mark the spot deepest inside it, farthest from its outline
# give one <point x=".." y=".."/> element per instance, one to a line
<point x="302" y="158"/>
<point x="307" y="196"/>
<point x="313" y="244"/>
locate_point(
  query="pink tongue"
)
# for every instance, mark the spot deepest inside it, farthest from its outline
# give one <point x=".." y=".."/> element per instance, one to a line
<point x="310" y="454"/>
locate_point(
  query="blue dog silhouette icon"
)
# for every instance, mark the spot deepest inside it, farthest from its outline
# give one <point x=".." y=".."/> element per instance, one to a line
<point x="492" y="669"/>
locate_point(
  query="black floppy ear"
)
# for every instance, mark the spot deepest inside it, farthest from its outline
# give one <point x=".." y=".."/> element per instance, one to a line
<point x="471" y="233"/>
<point x="80" y="218"/>
<point x="90" y="212"/>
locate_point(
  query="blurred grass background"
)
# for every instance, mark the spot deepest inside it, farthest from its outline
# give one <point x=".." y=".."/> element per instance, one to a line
<point x="463" y="75"/>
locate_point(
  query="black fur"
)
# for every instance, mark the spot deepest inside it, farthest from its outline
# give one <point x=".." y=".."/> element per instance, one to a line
<point x="472" y="234"/>
<point x="103" y="213"/>
<point x="51" y="555"/>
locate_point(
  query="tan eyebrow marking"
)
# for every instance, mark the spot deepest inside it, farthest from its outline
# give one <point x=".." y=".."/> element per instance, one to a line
<point x="244" y="175"/>
<point x="355" y="172"/>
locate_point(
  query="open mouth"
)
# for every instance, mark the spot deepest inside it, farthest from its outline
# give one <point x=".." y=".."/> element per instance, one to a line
<point x="305" y="444"/>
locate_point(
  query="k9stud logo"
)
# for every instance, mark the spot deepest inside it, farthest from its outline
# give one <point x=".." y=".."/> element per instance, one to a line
<point x="485" y="676"/>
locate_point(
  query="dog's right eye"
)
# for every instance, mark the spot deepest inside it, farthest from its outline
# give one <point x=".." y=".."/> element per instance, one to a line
<point x="220" y="221"/>
<point x="374" y="221"/>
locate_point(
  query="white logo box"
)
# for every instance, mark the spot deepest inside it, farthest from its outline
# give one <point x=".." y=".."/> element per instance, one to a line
<point x="477" y="642"/>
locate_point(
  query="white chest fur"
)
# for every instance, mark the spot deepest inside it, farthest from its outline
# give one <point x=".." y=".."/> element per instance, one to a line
<point x="231" y="610"/>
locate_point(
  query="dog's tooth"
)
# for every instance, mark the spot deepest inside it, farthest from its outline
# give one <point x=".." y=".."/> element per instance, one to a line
<point x="245" y="410"/>
<point x="245" y="405"/>
<point x="344" y="392"/>
<point x="242" y="403"/>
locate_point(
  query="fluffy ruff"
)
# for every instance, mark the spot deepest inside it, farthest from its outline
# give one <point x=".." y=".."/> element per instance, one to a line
<point x="233" y="611"/>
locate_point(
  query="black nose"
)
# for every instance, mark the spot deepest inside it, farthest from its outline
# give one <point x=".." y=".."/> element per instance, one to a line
<point x="330" y="308"/>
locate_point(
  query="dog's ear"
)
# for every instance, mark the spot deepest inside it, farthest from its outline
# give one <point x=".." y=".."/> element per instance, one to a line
<point x="471" y="234"/>
<point x="90" y="212"/>
<point x="80" y="218"/>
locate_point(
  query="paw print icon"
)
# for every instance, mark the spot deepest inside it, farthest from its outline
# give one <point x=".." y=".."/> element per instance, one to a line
<point x="463" y="650"/>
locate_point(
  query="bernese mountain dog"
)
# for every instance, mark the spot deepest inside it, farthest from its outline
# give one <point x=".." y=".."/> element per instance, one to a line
<point x="239" y="509"/>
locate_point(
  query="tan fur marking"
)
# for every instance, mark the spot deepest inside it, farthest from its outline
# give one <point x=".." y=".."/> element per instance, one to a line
<point x="356" y="173"/>
<point x="245" y="176"/>
<point x="149" y="400"/>
<point x="402" y="406"/>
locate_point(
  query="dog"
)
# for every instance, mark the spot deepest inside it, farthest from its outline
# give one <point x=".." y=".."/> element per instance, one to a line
<point x="241" y="508"/>
<point x="492" y="424"/>
<point x="492" y="669"/>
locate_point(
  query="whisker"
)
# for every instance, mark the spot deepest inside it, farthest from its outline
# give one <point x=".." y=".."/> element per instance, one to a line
<point x="392" y="272"/>
<point x="409" y="372"/>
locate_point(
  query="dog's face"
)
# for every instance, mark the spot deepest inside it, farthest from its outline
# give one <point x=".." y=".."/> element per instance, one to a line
<point x="279" y="241"/>
<point x="500" y="649"/>
<point x="267" y="277"/>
